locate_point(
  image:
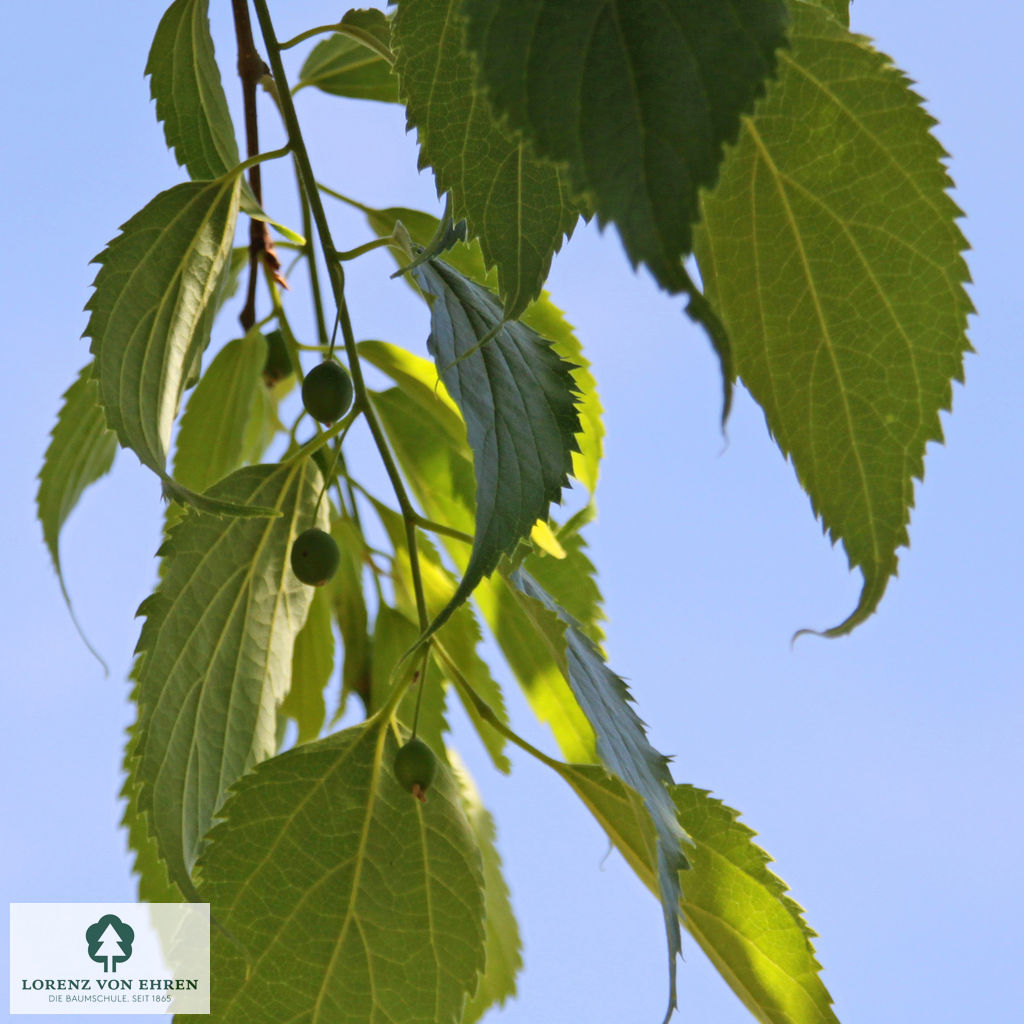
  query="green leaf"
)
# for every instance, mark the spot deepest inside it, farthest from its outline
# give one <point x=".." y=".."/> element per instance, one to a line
<point x="533" y="645"/>
<point x="346" y="590"/>
<point x="154" y="885"/>
<point x="342" y="66"/>
<point x="371" y="26"/>
<point x="429" y="440"/>
<point x="572" y="582"/>
<point x="839" y="9"/>
<point x="504" y="949"/>
<point x="542" y="315"/>
<point x="517" y="205"/>
<point x="736" y="909"/>
<point x="215" y="654"/>
<point x="217" y="420"/>
<point x="346" y="898"/>
<point x="516" y="395"/>
<point x="739" y="912"/>
<point x="636" y="98"/>
<point x="459" y="636"/>
<point x="393" y="635"/>
<point x="624" y="750"/>
<point x="832" y="253"/>
<point x="312" y="664"/>
<point x="148" y="323"/>
<point x="81" y="450"/>
<point x="185" y="82"/>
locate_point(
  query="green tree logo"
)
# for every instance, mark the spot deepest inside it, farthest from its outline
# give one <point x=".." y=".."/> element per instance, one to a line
<point x="110" y="941"/>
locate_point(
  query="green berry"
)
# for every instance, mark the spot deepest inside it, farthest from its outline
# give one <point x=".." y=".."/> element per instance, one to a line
<point x="279" y="362"/>
<point x="415" y="766"/>
<point x="327" y="392"/>
<point x="315" y="557"/>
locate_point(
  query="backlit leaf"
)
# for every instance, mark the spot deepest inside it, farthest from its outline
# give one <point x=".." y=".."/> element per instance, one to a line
<point x="831" y="250"/>
<point x="212" y="437"/>
<point x="185" y="82"/>
<point x="346" y="590"/>
<point x="312" y="664"/>
<point x="459" y="636"/>
<point x="215" y="653"/>
<point x="81" y="450"/>
<point x="342" y="66"/>
<point x="636" y="98"/>
<point x="732" y="904"/>
<point x="148" y="311"/>
<point x="504" y="948"/>
<point x="351" y="901"/>
<point x="517" y="205"/>
<point x="741" y="915"/>
<point x="429" y="441"/>
<point x="393" y="635"/>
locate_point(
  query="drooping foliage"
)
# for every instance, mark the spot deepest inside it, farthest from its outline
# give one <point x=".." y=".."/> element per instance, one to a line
<point x="764" y="139"/>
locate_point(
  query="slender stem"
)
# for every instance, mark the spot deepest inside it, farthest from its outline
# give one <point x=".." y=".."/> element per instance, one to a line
<point x="250" y="69"/>
<point x="308" y="34"/>
<point x="314" y="273"/>
<point x="448" y="531"/>
<point x="336" y="274"/>
<point x="421" y="677"/>
<point x="343" y="29"/>
<point x="485" y="711"/>
<point x="359" y="250"/>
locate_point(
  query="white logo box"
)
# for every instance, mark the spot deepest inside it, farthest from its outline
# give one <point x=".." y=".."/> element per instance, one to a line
<point x="130" y="958"/>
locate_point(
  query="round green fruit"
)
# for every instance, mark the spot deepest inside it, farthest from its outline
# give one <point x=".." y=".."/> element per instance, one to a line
<point x="327" y="392"/>
<point x="415" y="766"/>
<point x="315" y="557"/>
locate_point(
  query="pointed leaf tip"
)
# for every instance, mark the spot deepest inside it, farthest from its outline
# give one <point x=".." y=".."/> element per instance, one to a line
<point x="837" y="194"/>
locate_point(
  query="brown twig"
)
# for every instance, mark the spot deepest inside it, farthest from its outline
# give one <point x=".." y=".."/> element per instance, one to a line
<point x="251" y="69"/>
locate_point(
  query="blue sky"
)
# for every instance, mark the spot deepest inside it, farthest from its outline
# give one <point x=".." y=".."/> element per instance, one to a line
<point x="882" y="771"/>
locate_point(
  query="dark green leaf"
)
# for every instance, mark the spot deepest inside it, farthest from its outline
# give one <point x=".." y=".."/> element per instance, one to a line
<point x="212" y="437"/>
<point x="148" y="323"/>
<point x="215" y="654"/>
<point x="185" y="82"/>
<point x="341" y="66"/>
<point x="636" y="97"/>
<point x="518" y="206"/>
<point x="517" y="397"/>
<point x="624" y="750"/>
<point x="347" y="899"/>
<point x="839" y="9"/>
<point x="542" y="315"/>
<point x="81" y="450"/>
<point x="831" y="251"/>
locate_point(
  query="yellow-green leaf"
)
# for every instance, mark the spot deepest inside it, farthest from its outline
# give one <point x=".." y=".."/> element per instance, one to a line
<point x="830" y="249"/>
